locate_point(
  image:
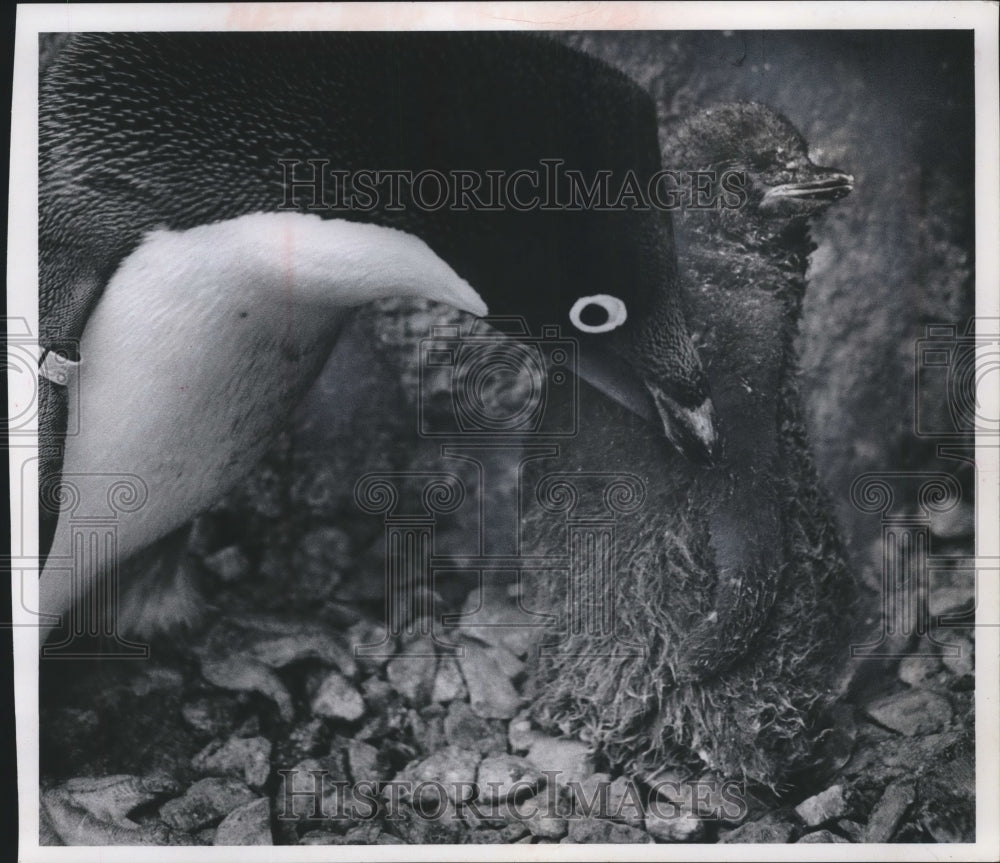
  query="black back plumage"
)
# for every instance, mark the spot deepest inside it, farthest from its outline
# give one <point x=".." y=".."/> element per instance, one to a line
<point x="140" y="131"/>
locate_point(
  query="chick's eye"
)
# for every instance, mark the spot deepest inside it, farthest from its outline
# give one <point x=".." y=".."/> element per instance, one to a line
<point x="598" y="313"/>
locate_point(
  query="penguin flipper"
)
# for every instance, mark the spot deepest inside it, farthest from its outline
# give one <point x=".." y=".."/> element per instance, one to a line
<point x="243" y="314"/>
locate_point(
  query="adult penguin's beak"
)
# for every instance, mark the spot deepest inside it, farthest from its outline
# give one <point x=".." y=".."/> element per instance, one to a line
<point x="691" y="429"/>
<point x="689" y="424"/>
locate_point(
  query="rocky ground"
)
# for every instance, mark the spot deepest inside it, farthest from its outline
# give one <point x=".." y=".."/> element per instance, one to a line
<point x="206" y="742"/>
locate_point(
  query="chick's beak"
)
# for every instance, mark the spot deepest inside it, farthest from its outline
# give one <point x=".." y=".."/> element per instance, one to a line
<point x="692" y="430"/>
<point x="824" y="187"/>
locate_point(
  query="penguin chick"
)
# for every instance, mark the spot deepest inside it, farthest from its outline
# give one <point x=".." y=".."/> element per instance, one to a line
<point x="155" y="148"/>
<point x="744" y="272"/>
<point x="731" y="586"/>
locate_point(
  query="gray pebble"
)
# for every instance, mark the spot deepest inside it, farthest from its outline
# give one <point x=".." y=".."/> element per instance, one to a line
<point x="851" y="829"/>
<point x="205" y="802"/>
<point x="322" y="837"/>
<point x="246" y="758"/>
<point x="624" y="802"/>
<point x="668" y="827"/>
<point x="889" y="811"/>
<point x="619" y="800"/>
<point x="448" y="683"/>
<point x="302" y="641"/>
<point x="378" y="693"/>
<point x="229" y="564"/>
<point x="364" y="763"/>
<point x="540" y="814"/>
<point x="507" y="777"/>
<point x="336" y="698"/>
<point x="773" y="829"/>
<point x="249" y="824"/>
<point x="297" y="796"/>
<point x="823" y="807"/>
<point x="505" y="835"/>
<point x="369" y="645"/>
<point x="244" y="674"/>
<point x="923" y="672"/>
<point x="964" y="663"/>
<point x="384" y="838"/>
<point x="822" y="836"/>
<point x="491" y="694"/>
<point x="306" y="739"/>
<point x="520" y="733"/>
<point x="596" y="830"/>
<point x="571" y="760"/>
<point x="463" y="728"/>
<point x="412" y="673"/>
<point x="913" y="712"/>
<point x="451" y="767"/>
<point x="497" y="620"/>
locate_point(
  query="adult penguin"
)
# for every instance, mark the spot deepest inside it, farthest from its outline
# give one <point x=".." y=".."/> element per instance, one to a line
<point x="207" y="208"/>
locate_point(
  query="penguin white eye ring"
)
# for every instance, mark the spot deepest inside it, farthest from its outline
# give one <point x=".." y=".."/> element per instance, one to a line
<point x="611" y="308"/>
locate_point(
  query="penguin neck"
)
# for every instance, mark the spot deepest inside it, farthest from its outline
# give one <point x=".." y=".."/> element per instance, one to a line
<point x="751" y="252"/>
<point x="749" y="262"/>
<point x="744" y="294"/>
